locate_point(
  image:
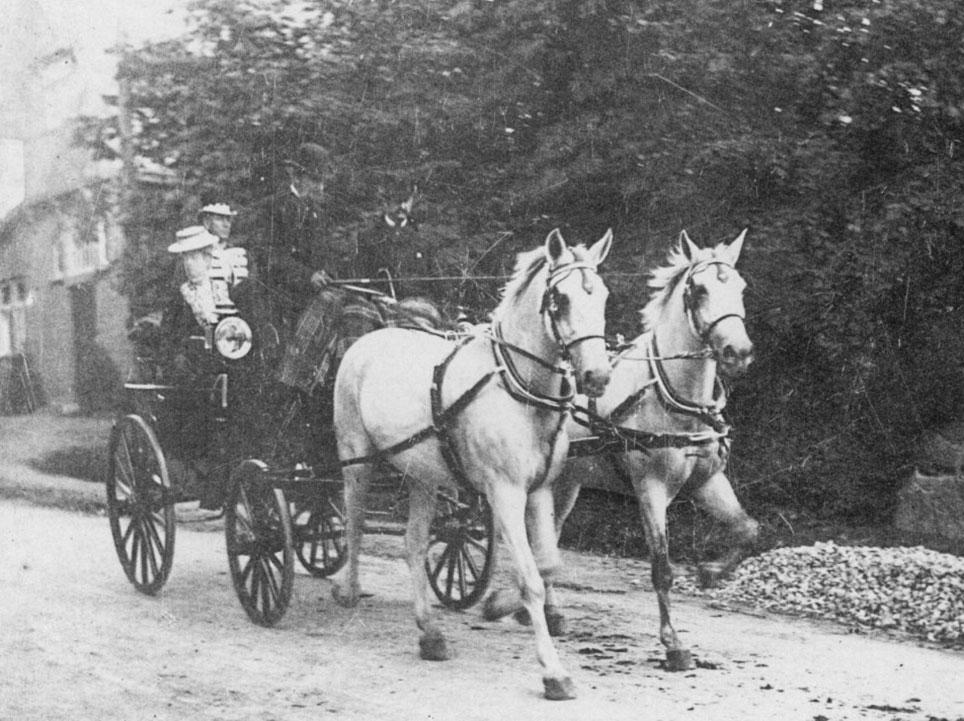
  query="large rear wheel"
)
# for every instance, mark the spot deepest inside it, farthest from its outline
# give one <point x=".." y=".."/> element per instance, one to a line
<point x="257" y="529"/>
<point x="140" y="504"/>
<point x="459" y="561"/>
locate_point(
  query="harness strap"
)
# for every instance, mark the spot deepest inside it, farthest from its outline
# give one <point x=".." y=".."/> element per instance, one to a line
<point x="441" y="419"/>
<point x="710" y="415"/>
<point x="516" y="387"/>
<point x="441" y="416"/>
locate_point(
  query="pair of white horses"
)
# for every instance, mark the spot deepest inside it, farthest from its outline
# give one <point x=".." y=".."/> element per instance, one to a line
<point x="495" y="412"/>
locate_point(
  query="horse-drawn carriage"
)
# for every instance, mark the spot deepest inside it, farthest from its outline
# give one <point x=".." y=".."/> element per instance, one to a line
<point x="489" y="413"/>
<point x="221" y="435"/>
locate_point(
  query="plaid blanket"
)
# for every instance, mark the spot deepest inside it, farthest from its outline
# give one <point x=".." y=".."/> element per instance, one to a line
<point x="333" y="321"/>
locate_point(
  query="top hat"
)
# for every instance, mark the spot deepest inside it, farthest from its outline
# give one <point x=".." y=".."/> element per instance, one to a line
<point x="310" y="158"/>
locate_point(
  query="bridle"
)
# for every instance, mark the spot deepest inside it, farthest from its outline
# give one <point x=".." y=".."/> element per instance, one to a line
<point x="550" y="304"/>
<point x="549" y="310"/>
<point x="690" y="306"/>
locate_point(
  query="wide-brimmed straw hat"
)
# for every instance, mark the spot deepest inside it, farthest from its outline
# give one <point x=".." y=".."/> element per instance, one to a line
<point x="310" y="158"/>
<point x="193" y="237"/>
<point x="217" y="209"/>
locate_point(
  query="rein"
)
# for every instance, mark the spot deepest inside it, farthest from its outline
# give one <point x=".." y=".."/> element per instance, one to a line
<point x="444" y="418"/>
<point x="612" y="437"/>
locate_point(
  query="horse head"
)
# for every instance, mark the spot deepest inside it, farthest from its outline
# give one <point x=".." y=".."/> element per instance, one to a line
<point x="574" y="307"/>
<point x="713" y="299"/>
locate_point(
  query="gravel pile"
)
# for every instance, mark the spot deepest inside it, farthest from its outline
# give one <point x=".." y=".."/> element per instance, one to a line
<point x="914" y="590"/>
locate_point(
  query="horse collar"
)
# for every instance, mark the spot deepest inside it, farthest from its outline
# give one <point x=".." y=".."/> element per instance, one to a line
<point x="516" y="385"/>
<point x="710" y="414"/>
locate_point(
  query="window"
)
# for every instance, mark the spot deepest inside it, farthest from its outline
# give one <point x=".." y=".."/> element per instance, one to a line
<point x="14" y="300"/>
<point x="80" y="253"/>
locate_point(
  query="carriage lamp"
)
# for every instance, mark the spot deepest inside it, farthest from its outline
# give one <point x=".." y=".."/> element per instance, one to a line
<point x="232" y="337"/>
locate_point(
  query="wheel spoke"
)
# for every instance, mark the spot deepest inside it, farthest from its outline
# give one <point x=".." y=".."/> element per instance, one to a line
<point x="153" y="551"/>
<point x="246" y="572"/>
<point x="481" y="545"/>
<point x="469" y="564"/>
<point x="151" y="524"/>
<point x="273" y="560"/>
<point x="461" y="574"/>
<point x="255" y="581"/>
<point x="135" y="538"/>
<point x="268" y="588"/>
<point x="450" y="572"/>
<point x="440" y="563"/>
<point x="128" y="532"/>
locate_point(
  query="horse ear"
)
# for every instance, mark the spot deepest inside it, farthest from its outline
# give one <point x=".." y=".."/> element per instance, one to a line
<point x="734" y="248"/>
<point x="687" y="246"/>
<point x="600" y="249"/>
<point x="555" y="245"/>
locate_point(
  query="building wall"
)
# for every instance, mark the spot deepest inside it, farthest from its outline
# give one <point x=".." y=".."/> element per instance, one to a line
<point x="75" y="368"/>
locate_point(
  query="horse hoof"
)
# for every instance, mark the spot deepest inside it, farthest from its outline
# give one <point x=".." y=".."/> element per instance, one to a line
<point x="493" y="609"/>
<point x="433" y="648"/>
<point x="559" y="689"/>
<point x="709" y="574"/>
<point x="343" y="599"/>
<point x="522" y="617"/>
<point x="678" y="659"/>
<point x="556" y="621"/>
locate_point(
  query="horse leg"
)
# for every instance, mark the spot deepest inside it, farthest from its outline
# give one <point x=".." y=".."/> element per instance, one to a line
<point x="509" y="508"/>
<point x="421" y="511"/>
<point x="653" y="500"/>
<point x="541" y="503"/>
<point x="347" y="591"/>
<point x="716" y="496"/>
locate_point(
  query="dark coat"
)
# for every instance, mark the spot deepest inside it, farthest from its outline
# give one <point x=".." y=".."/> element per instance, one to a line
<point x="288" y="247"/>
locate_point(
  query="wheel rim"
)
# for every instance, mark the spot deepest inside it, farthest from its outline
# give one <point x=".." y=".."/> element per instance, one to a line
<point x="459" y="559"/>
<point x="319" y="532"/>
<point x="140" y="504"/>
<point x="258" y="534"/>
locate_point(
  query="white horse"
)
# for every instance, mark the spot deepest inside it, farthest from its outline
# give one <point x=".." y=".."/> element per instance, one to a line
<point x="489" y="412"/>
<point x="659" y="427"/>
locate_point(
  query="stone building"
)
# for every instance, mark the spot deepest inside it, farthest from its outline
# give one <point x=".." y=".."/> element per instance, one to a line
<point x="63" y="324"/>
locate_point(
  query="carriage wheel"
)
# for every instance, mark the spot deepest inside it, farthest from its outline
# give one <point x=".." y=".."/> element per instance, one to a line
<point x="140" y="504"/>
<point x="319" y="533"/>
<point x="461" y="546"/>
<point x="257" y="529"/>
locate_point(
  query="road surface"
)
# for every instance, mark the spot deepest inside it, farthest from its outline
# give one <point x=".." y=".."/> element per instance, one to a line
<point x="77" y="642"/>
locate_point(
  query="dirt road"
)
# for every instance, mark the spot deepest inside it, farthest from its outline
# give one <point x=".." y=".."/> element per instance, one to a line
<point x="77" y="642"/>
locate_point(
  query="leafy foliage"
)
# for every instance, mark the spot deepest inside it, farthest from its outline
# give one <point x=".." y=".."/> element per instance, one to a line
<point x="833" y="132"/>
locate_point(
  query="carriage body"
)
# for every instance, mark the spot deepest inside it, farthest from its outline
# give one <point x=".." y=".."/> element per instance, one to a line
<point x="215" y="430"/>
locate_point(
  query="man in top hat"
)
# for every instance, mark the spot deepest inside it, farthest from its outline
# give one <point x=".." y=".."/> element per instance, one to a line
<point x="291" y="252"/>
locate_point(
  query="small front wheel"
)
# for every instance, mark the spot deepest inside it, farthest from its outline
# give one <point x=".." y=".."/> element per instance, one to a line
<point x="257" y="529"/>
<point x="319" y="533"/>
<point x="459" y="561"/>
<point x="140" y="504"/>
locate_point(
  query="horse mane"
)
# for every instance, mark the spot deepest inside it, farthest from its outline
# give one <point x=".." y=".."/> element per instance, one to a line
<point x="663" y="280"/>
<point x="527" y="266"/>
